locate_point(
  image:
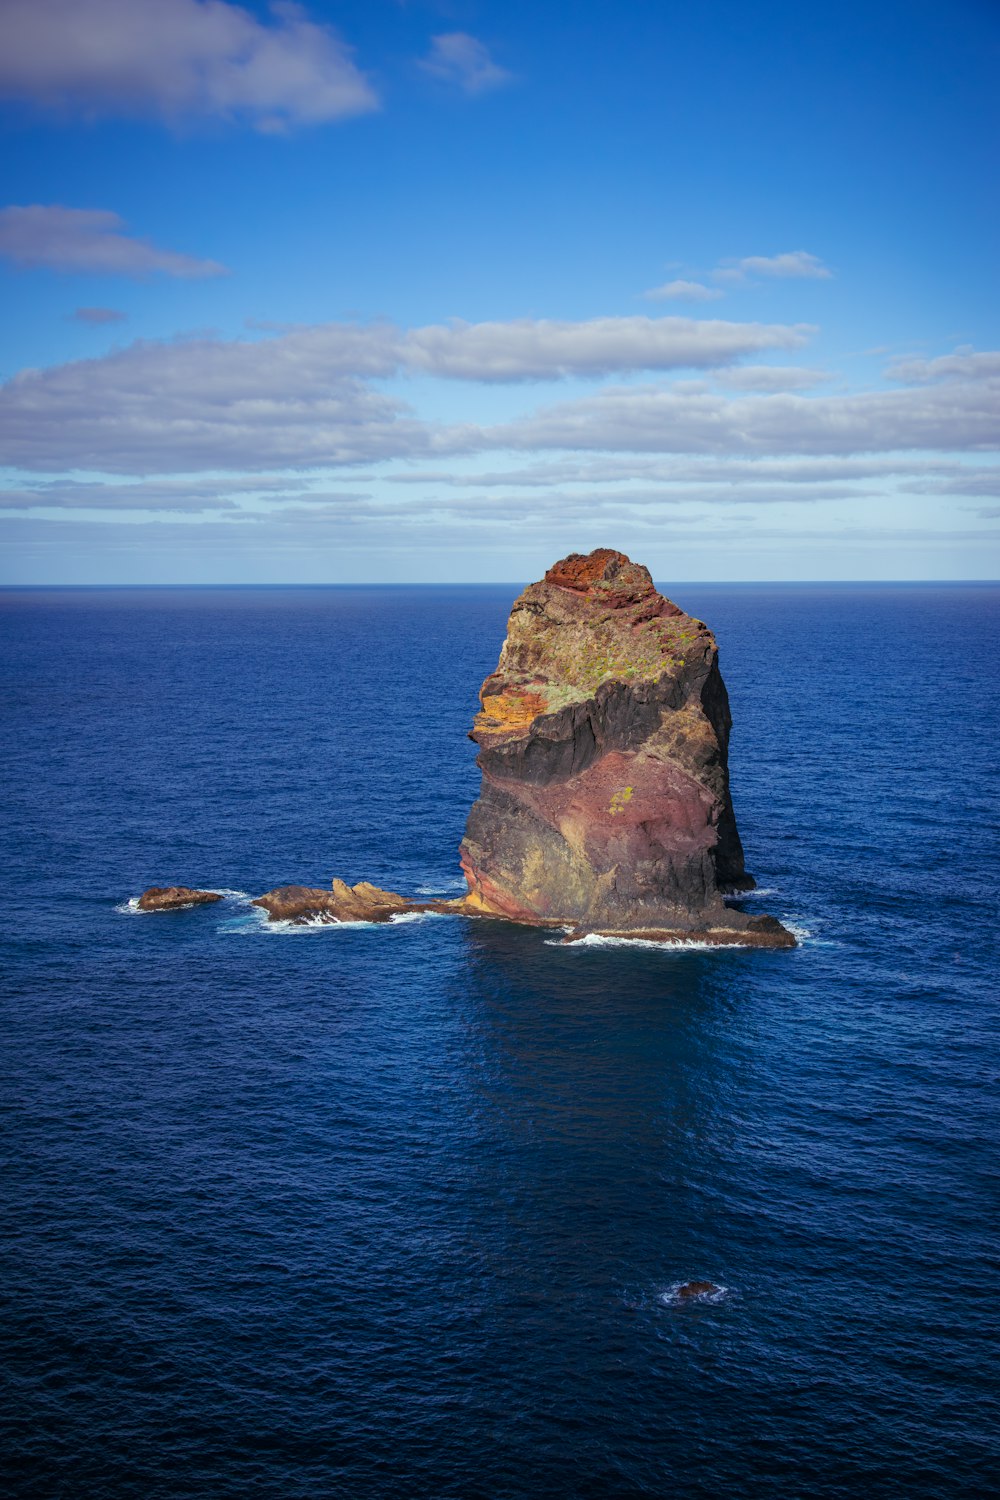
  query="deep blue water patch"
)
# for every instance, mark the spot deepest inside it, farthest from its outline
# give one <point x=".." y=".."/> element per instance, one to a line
<point x="400" y="1211"/>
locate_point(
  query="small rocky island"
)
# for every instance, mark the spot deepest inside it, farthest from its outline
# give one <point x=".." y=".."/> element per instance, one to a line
<point x="605" y="805"/>
<point x="175" y="898"/>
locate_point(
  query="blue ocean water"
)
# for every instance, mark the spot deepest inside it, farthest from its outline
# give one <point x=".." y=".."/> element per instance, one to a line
<point x="400" y="1211"/>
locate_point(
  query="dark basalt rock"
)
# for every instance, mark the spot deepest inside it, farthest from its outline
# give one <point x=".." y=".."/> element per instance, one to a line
<point x="603" y="738"/>
<point x="697" y="1289"/>
<point x="175" y="898"/>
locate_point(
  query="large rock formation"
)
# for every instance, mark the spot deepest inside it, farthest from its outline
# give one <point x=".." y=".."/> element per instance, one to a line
<point x="603" y="742"/>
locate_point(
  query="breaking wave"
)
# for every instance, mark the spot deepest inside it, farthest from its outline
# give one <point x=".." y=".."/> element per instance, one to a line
<point x="599" y="940"/>
<point x="255" y="920"/>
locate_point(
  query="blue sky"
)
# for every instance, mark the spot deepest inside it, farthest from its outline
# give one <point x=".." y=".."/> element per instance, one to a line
<point x="442" y="291"/>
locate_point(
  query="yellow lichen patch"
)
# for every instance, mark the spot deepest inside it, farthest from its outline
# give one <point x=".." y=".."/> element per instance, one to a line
<point x="506" y="711"/>
<point x="476" y="903"/>
<point x="620" y="800"/>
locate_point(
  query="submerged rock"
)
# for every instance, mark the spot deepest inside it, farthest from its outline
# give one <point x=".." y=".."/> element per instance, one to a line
<point x="363" y="902"/>
<point x="603" y="741"/>
<point x="696" y="1289"/>
<point x="175" y="897"/>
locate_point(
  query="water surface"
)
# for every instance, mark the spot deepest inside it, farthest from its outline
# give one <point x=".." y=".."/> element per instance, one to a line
<point x="399" y="1211"/>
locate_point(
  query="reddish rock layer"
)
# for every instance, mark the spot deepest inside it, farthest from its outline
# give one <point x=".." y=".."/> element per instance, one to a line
<point x="603" y="742"/>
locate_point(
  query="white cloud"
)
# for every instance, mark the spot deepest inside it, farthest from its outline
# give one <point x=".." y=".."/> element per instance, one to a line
<point x="304" y="399"/>
<point x="455" y="57"/>
<point x="179" y="60"/>
<point x="683" y="291"/>
<point x="542" y="349"/>
<point x="964" y="364"/>
<point x="189" y="495"/>
<point x="301" y="399"/>
<point x="947" y="475"/>
<point x="90" y="241"/>
<point x="799" y="264"/>
<point x="206" y="404"/>
<point x="771" y="378"/>
<point x="657" y="420"/>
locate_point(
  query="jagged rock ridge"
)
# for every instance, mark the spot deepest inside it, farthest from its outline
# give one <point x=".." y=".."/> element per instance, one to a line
<point x="603" y="740"/>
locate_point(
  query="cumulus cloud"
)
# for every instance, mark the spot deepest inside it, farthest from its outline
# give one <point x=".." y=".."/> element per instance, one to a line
<point x="798" y="264"/>
<point x="683" y="291"/>
<point x="455" y="57"/>
<point x="90" y="241"/>
<point x="179" y="60"/>
<point x="97" y="317"/>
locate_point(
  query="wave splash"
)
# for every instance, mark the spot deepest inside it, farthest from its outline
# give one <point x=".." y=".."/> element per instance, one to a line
<point x="255" y="921"/>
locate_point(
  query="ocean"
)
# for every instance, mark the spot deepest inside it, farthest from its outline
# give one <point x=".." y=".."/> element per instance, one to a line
<point x="402" y="1211"/>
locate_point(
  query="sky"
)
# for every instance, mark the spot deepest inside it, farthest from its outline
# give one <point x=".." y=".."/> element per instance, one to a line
<point x="440" y="291"/>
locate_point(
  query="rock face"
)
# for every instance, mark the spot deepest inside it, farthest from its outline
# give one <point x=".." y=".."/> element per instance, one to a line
<point x="341" y="903"/>
<point x="603" y="741"/>
<point x="174" y="897"/>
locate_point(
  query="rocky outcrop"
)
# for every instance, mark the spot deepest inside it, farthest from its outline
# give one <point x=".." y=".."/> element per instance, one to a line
<point x="175" y="898"/>
<point x="603" y="739"/>
<point x="605" y="805"/>
<point x="341" y="903"/>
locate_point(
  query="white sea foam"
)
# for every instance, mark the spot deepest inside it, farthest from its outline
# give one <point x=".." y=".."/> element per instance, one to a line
<point x="800" y="933"/>
<point x="601" y="940"/>
<point x="256" y="920"/>
<point x="441" y="888"/>
<point x="758" y="891"/>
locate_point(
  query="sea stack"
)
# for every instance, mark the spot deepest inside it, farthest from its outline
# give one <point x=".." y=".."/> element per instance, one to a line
<point x="603" y="741"/>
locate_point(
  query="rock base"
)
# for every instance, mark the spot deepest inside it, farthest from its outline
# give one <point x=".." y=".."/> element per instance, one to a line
<point x="762" y="932"/>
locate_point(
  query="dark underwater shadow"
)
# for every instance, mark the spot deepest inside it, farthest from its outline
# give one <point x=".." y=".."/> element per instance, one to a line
<point x="629" y="1052"/>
